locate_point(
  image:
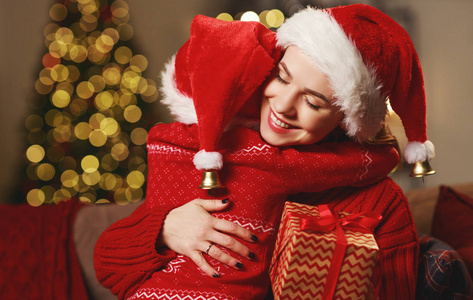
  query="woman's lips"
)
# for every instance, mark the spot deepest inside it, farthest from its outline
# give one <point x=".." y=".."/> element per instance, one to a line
<point x="277" y="125"/>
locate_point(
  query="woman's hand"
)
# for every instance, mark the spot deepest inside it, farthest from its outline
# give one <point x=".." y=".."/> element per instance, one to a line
<point x="190" y="230"/>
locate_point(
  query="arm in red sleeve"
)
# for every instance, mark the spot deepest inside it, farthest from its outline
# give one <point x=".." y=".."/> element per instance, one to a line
<point x="125" y="255"/>
<point x="320" y="167"/>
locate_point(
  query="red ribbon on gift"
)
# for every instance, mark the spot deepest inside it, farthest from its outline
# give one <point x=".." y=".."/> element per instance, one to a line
<point x="328" y="222"/>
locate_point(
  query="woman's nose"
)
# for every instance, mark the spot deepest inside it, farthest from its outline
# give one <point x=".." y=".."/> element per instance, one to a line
<point x="284" y="104"/>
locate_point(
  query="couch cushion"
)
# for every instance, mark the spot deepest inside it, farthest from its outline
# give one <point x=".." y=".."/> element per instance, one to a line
<point x="453" y="222"/>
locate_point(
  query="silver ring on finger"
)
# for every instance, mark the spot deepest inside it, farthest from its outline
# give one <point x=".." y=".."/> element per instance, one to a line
<point x="208" y="248"/>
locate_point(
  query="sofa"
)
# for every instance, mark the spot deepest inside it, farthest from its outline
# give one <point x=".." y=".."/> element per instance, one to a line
<point x="91" y="221"/>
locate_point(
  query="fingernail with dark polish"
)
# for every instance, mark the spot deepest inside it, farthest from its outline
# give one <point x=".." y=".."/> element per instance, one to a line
<point x="215" y="275"/>
<point x="251" y="255"/>
<point x="239" y="265"/>
<point x="224" y="201"/>
<point x="254" y="238"/>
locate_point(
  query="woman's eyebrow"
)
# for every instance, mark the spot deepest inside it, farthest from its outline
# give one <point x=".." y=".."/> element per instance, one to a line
<point x="283" y="65"/>
<point x="316" y="94"/>
<point x="306" y="90"/>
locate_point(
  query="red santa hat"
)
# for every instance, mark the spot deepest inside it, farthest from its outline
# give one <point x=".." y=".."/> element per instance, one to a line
<point x="212" y="77"/>
<point x="367" y="58"/>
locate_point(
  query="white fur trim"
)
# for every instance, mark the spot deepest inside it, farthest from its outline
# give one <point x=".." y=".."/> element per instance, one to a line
<point x="357" y="91"/>
<point x="204" y="160"/>
<point x="181" y="107"/>
<point x="417" y="151"/>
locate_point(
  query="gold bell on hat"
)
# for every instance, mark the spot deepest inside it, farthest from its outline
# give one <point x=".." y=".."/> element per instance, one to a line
<point x="421" y="169"/>
<point x="211" y="181"/>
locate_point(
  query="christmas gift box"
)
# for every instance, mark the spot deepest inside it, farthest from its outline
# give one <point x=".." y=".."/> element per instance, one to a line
<point x="321" y="254"/>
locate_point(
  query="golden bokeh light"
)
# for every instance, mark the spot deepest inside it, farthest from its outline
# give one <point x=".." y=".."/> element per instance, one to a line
<point x="58" y="49"/>
<point x="45" y="171"/>
<point x="35" y="197"/>
<point x="113" y="33"/>
<point x="63" y="133"/>
<point x="109" y="163"/>
<point x="125" y="31"/>
<point x="109" y="126"/>
<point x="225" y="17"/>
<point x="138" y="136"/>
<point x="65" y="86"/>
<point x="35" y="153"/>
<point x="108" y="181"/>
<point x="140" y="62"/>
<point x="95" y="120"/>
<point x="112" y="74"/>
<point x="61" y="195"/>
<point x="45" y="76"/>
<point x="59" y="73"/>
<point x="274" y="18"/>
<point x="69" y="178"/>
<point x="50" y="31"/>
<point x="90" y="164"/>
<point x="78" y="107"/>
<point x="104" y="43"/>
<point x="98" y="82"/>
<point x="78" y="53"/>
<point x="87" y="7"/>
<point x="88" y="23"/>
<point x="60" y="98"/>
<point x="97" y="138"/>
<point x="135" y="179"/>
<point x="91" y="178"/>
<point x="132" y="113"/>
<point x="104" y="100"/>
<point x="85" y="89"/>
<point x="58" y="12"/>
<point x="119" y="151"/>
<point x="42" y="88"/>
<point x="64" y="35"/>
<point x="82" y="130"/>
<point x="123" y="55"/>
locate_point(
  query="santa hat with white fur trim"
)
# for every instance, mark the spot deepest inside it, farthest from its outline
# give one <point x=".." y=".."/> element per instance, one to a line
<point x="367" y="58"/>
<point x="213" y="75"/>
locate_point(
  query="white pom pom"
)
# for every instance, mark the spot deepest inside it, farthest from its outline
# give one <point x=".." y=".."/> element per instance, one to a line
<point x="204" y="160"/>
<point x="417" y="151"/>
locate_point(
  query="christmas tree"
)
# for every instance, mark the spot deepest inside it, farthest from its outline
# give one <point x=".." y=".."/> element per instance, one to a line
<point x="87" y="128"/>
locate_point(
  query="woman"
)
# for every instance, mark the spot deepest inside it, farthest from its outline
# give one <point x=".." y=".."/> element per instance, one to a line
<point x="302" y="113"/>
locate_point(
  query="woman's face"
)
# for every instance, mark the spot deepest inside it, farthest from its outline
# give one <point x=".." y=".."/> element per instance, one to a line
<point x="297" y="103"/>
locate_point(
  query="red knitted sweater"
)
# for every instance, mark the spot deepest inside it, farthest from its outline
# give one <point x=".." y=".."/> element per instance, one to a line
<point x="126" y="258"/>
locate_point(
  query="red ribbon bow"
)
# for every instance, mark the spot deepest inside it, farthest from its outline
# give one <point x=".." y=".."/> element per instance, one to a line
<point x="328" y="222"/>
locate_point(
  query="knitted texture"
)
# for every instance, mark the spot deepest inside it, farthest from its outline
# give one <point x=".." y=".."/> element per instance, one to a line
<point x="258" y="178"/>
<point x="125" y="255"/>
<point x="37" y="254"/>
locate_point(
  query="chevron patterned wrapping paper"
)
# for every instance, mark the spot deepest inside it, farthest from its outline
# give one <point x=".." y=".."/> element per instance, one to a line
<point x="301" y="259"/>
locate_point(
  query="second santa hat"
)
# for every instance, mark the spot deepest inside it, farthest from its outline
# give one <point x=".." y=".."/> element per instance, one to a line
<point x="367" y="58"/>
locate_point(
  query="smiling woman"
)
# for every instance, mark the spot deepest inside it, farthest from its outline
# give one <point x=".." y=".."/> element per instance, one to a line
<point x="297" y="106"/>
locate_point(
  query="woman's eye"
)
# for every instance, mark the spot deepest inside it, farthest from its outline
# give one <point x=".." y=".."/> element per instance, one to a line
<point x="279" y="79"/>
<point x="311" y="105"/>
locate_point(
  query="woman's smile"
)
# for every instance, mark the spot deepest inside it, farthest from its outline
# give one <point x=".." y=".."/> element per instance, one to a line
<point x="278" y="125"/>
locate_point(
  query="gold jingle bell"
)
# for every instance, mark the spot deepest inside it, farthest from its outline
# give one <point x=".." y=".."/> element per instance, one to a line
<point x="211" y="181"/>
<point x="421" y="169"/>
